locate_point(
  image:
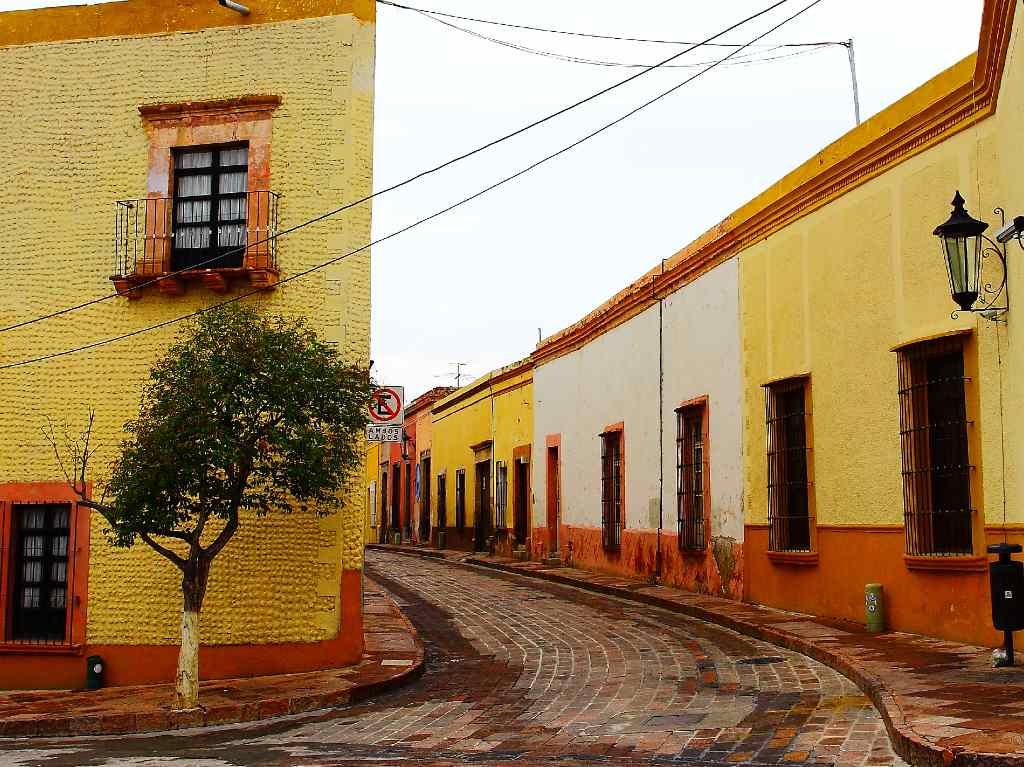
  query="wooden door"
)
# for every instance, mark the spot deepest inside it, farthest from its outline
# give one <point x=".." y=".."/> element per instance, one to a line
<point x="554" y="516"/>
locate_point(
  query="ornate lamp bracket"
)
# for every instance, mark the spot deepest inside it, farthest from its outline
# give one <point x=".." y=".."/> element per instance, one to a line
<point x="989" y="304"/>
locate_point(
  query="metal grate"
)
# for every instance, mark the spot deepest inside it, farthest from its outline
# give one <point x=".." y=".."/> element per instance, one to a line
<point x="789" y="517"/>
<point x="690" y="475"/>
<point x="460" y="498"/>
<point x="442" y="501"/>
<point x="501" y="496"/>
<point x="611" y="489"/>
<point x="933" y="439"/>
<point x="41" y="609"/>
<point x="145" y="232"/>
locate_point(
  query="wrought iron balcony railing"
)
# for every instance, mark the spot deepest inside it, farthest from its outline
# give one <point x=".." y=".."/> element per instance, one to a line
<point x="175" y="240"/>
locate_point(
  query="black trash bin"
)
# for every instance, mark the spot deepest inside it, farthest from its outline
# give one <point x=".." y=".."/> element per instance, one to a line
<point x="1006" y="580"/>
<point x="94" y="672"/>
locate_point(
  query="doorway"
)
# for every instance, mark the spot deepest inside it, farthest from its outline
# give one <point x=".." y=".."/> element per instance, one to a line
<point x="482" y="514"/>
<point x="424" y="477"/>
<point x="521" y="502"/>
<point x="554" y="516"/>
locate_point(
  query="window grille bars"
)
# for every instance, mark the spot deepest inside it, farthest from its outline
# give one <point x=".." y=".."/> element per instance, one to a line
<point x="460" y="499"/>
<point x="938" y="516"/>
<point x="690" y="471"/>
<point x="501" y="496"/>
<point x="789" y="513"/>
<point x="611" y="490"/>
<point x="442" y="501"/>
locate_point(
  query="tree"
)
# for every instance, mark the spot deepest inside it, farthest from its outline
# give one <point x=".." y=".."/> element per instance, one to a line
<point x="242" y="413"/>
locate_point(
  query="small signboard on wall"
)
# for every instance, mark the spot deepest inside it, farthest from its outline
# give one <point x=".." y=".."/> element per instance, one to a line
<point x="387" y="414"/>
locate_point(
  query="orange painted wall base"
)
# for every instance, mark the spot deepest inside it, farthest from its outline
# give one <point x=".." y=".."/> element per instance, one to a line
<point x="48" y="668"/>
<point x="719" y="570"/>
<point x="950" y="599"/>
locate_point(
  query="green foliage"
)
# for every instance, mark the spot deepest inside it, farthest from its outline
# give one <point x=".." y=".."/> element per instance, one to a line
<point x="243" y="411"/>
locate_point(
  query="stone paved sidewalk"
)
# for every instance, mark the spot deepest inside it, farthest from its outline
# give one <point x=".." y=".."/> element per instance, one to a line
<point x="393" y="655"/>
<point x="942" y="702"/>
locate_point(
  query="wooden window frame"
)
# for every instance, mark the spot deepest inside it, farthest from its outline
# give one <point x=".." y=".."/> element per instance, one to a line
<point x="442" y="500"/>
<point x="213" y="256"/>
<point x="693" y="532"/>
<point x="786" y="538"/>
<point x="46" y="493"/>
<point x="613" y="487"/>
<point x="964" y="532"/>
<point x="460" y="499"/>
<point x="500" y="495"/>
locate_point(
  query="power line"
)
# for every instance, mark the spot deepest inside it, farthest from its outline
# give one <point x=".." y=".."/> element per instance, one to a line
<point x="589" y="34"/>
<point x="757" y="57"/>
<point x="421" y="221"/>
<point x="421" y="174"/>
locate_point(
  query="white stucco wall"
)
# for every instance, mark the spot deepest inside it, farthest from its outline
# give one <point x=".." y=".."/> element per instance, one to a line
<point x="615" y="378"/>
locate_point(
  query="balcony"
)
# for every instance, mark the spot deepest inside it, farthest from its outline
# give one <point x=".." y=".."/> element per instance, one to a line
<point x="215" y="243"/>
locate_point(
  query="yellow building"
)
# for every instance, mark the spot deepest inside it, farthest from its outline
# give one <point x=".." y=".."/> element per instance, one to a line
<point x="480" y="462"/>
<point x="879" y="442"/>
<point x="112" y="115"/>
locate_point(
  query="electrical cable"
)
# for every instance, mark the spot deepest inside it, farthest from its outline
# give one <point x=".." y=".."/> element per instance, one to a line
<point x="756" y="57"/>
<point x="411" y="179"/>
<point x="421" y="221"/>
<point x="585" y="34"/>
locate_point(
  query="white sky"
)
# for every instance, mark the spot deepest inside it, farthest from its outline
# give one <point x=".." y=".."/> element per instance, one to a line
<point x="475" y="285"/>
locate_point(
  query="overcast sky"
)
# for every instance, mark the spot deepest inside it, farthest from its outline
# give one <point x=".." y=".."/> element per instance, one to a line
<point x="475" y="285"/>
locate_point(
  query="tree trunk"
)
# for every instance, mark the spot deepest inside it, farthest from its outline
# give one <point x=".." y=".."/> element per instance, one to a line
<point x="193" y="587"/>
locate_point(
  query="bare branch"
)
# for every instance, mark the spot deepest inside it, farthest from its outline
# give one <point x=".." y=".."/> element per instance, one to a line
<point x="180" y="563"/>
<point x="52" y="439"/>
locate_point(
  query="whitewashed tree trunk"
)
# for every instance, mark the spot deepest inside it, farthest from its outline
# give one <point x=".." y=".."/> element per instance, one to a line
<point x="187" y="692"/>
<point x="193" y="589"/>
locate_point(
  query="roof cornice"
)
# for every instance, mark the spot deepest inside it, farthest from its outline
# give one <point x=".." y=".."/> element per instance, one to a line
<point x="954" y="100"/>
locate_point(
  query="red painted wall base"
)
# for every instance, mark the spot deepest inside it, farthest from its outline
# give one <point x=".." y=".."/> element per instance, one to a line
<point x="26" y="669"/>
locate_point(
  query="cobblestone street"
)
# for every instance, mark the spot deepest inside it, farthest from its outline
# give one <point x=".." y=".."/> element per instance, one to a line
<point x="526" y="673"/>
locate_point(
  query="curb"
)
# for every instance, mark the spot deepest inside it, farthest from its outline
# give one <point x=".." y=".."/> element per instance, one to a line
<point x="908" y="744"/>
<point x="387" y="679"/>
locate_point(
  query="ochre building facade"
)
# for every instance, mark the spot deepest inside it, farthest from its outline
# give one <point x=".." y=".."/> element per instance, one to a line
<point x="114" y="115"/>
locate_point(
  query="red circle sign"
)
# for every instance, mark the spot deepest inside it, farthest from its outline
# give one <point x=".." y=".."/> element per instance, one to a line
<point x="385" y="404"/>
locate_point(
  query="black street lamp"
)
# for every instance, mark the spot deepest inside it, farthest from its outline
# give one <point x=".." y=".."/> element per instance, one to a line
<point x="964" y="246"/>
<point x="960" y="238"/>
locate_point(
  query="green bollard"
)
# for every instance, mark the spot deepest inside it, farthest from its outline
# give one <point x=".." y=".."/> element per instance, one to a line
<point x="874" y="607"/>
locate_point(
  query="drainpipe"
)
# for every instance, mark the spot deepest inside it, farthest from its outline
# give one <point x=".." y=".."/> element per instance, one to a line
<point x="493" y="490"/>
<point x="661" y="421"/>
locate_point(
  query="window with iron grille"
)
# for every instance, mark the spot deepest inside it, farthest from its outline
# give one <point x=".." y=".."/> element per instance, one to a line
<point x="933" y="437"/>
<point x="611" y="489"/>
<point x="39" y="608"/>
<point x="500" y="495"/>
<point x="690" y="477"/>
<point x="460" y="498"/>
<point x="789" y="511"/>
<point x="442" y="501"/>
<point x="210" y="200"/>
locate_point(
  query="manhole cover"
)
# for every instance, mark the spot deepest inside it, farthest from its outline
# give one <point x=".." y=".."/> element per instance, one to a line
<point x="763" y="661"/>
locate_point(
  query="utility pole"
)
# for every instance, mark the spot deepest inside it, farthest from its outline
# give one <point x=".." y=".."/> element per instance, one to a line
<point x="853" y="76"/>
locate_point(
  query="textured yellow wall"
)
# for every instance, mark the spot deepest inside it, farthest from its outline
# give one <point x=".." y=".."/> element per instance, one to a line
<point x="831" y="294"/>
<point x="74" y="144"/>
<point x="459" y="423"/>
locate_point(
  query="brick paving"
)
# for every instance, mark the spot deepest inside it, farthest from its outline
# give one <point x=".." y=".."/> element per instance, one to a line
<point x="392" y="653"/>
<point x="944" y="702"/>
<point x="526" y="672"/>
